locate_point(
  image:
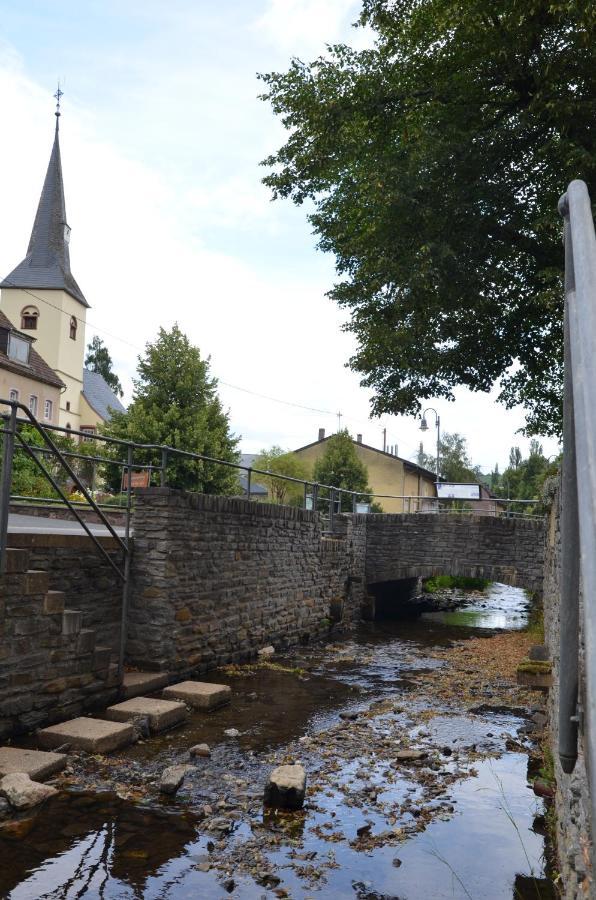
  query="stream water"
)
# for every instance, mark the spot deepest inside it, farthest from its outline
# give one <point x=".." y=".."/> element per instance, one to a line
<point x="460" y="822"/>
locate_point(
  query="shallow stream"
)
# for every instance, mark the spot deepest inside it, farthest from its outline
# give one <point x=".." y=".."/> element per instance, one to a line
<point x="459" y="822"/>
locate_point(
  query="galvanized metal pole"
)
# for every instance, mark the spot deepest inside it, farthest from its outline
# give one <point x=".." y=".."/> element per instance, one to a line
<point x="6" y="482"/>
<point x="582" y="337"/>
<point x="569" y="600"/>
<point x="248" y="481"/>
<point x="331" y="509"/>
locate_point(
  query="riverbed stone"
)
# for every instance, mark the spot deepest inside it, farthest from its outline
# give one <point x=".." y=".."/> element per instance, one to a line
<point x="199" y="694"/>
<point x="161" y="714"/>
<point x="200" y="750"/>
<point x="286" y="787"/>
<point x="92" y="735"/>
<point x="34" y="763"/>
<point x="172" y="778"/>
<point x="23" y="793"/>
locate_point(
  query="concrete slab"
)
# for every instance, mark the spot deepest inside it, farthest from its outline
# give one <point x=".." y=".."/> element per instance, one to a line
<point x="34" y="763"/>
<point x="136" y="684"/>
<point x="199" y="694"/>
<point x="161" y="714"/>
<point x="92" y="735"/>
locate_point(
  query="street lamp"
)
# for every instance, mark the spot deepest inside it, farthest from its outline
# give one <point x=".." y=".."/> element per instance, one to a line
<point x="424" y="427"/>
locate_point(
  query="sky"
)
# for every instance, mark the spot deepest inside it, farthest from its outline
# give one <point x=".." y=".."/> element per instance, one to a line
<point x="162" y="134"/>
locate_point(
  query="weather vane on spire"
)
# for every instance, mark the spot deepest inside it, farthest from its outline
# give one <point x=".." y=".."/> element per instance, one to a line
<point x="58" y="95"/>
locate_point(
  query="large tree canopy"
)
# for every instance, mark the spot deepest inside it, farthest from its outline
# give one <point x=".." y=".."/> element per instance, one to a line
<point x="434" y="162"/>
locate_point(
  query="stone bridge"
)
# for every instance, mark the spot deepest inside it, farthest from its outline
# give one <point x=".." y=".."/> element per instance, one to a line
<point x="508" y="550"/>
<point x="214" y="579"/>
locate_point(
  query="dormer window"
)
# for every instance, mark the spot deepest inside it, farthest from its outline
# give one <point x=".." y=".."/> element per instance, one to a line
<point x="66" y="233"/>
<point x="18" y="348"/>
<point x="73" y="328"/>
<point x="29" y="317"/>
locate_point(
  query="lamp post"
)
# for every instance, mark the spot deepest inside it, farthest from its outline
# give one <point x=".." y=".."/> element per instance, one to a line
<point x="424" y="427"/>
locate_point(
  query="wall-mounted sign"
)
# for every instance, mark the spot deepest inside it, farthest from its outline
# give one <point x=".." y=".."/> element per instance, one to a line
<point x="137" y="479"/>
<point x="452" y="491"/>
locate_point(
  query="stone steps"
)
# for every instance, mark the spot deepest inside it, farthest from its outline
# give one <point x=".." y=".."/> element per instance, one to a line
<point x="92" y="735"/>
<point x="135" y="684"/>
<point x="159" y="714"/>
<point x="199" y="694"/>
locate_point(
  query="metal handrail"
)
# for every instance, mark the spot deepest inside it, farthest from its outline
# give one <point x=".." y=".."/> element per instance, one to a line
<point x="578" y="502"/>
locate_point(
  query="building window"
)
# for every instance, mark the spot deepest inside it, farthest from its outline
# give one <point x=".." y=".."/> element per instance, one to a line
<point x="68" y="406"/>
<point x="48" y="409"/>
<point x="73" y="328"/>
<point x="88" y="430"/>
<point x="33" y="404"/>
<point x="18" y="349"/>
<point x="14" y="395"/>
<point x="29" y="317"/>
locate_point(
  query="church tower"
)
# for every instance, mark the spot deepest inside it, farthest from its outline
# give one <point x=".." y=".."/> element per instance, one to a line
<point x="42" y="298"/>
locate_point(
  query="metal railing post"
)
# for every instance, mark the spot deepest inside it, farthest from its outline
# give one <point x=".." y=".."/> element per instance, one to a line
<point x="331" y="509"/>
<point x="164" y="467"/>
<point x="315" y="496"/>
<point x="248" y="483"/>
<point x="305" y="494"/>
<point x="5" y="485"/>
<point x="126" y="581"/>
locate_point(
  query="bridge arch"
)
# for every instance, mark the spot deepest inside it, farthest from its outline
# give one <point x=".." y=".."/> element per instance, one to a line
<point x="400" y="547"/>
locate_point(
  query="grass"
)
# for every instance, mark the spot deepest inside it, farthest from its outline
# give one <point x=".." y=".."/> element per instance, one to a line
<point x="451" y="582"/>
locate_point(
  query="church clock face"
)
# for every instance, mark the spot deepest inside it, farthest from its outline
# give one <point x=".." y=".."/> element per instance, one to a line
<point x="67" y="233"/>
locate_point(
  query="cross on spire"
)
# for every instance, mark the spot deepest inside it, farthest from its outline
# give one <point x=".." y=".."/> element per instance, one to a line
<point x="59" y="93"/>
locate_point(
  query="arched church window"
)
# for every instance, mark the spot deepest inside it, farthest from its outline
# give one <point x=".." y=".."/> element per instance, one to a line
<point x="29" y="317"/>
<point x="73" y="328"/>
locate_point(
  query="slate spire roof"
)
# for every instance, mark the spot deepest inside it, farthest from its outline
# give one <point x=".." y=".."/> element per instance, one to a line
<point x="47" y="264"/>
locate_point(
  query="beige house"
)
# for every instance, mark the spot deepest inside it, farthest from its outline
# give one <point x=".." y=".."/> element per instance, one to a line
<point x="25" y="376"/>
<point x="387" y="474"/>
<point x="43" y="300"/>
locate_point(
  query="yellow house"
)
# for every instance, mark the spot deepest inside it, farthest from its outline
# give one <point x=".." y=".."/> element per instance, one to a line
<point x="42" y="298"/>
<point x="387" y="474"/>
<point x="25" y="376"/>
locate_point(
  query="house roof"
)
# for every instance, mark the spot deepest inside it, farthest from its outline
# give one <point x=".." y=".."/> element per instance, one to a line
<point x="412" y="467"/>
<point x="248" y="459"/>
<point x="100" y="396"/>
<point x="47" y="263"/>
<point x="37" y="368"/>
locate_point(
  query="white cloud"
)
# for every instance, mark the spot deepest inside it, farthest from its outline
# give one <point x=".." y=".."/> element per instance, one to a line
<point x="300" y="26"/>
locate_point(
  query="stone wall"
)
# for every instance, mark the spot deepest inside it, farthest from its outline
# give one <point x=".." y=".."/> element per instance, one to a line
<point x="572" y="798"/>
<point x="74" y="566"/>
<point x="51" y="668"/>
<point x="496" y="548"/>
<point x="216" y="578"/>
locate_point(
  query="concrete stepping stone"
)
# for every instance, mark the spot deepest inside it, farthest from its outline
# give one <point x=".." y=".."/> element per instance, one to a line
<point x="135" y="684"/>
<point x="199" y="694"/>
<point x="34" y="763"/>
<point x="161" y="714"/>
<point x="92" y="735"/>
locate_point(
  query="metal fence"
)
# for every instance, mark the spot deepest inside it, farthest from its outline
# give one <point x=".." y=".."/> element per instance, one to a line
<point x="577" y="709"/>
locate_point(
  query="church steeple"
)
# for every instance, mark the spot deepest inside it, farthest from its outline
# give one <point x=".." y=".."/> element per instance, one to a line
<point x="47" y="264"/>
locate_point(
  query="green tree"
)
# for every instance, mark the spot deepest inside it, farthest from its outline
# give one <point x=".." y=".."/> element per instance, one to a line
<point x="454" y="462"/>
<point x="340" y="467"/>
<point x="434" y="161"/>
<point x="98" y="359"/>
<point x="524" y="478"/>
<point x="175" y="403"/>
<point x="282" y="462"/>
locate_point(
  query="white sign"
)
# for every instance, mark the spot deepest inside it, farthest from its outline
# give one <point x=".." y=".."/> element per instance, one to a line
<point x="447" y="491"/>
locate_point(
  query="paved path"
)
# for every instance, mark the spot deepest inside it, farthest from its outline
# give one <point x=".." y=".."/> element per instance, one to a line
<point x="21" y="524"/>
